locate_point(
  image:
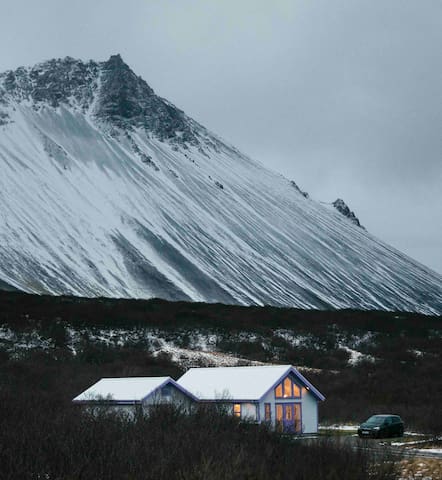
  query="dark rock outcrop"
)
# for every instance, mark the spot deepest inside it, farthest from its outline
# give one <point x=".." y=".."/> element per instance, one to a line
<point x="343" y="208"/>
<point x="115" y="93"/>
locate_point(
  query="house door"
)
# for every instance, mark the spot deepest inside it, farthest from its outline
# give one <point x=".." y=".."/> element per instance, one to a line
<point x="288" y="417"/>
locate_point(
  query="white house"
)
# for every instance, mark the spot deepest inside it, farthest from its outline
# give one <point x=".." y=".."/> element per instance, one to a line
<point x="125" y="395"/>
<point x="278" y="394"/>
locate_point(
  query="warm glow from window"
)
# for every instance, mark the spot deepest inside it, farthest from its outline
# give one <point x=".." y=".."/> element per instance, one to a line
<point x="237" y="410"/>
<point x="279" y="413"/>
<point x="278" y="391"/>
<point x="288" y="412"/>
<point x="268" y="412"/>
<point x="287" y="389"/>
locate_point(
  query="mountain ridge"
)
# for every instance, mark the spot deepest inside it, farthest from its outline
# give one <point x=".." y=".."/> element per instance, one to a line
<point x="110" y="190"/>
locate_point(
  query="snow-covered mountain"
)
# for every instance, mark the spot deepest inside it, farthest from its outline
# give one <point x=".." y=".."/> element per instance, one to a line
<point x="107" y="189"/>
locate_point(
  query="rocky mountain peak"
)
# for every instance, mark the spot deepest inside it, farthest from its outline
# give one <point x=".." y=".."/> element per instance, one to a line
<point x="120" y="97"/>
<point x="344" y="209"/>
<point x="127" y="101"/>
<point x="116" y="60"/>
<point x="52" y="83"/>
<point x="296" y="187"/>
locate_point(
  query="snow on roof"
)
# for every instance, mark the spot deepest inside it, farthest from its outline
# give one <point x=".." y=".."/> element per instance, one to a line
<point x="126" y="389"/>
<point x="238" y="383"/>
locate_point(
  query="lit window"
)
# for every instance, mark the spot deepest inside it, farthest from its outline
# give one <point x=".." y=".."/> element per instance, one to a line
<point x="237" y="410"/>
<point x="268" y="412"/>
<point x="279" y="413"/>
<point x="278" y="391"/>
<point x="287" y="387"/>
<point x="288" y="412"/>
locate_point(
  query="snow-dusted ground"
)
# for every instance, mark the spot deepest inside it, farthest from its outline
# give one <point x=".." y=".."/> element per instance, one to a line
<point x="201" y="347"/>
<point x="356" y="356"/>
<point x="197" y="347"/>
<point x="92" y="209"/>
<point x="350" y="428"/>
<point x="430" y="450"/>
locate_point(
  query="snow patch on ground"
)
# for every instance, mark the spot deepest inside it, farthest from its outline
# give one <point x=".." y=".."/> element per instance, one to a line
<point x="293" y="339"/>
<point x="355" y="356"/>
<point x="201" y="349"/>
<point x="339" y="427"/>
<point x="430" y="450"/>
<point x="193" y="358"/>
<point x="188" y="348"/>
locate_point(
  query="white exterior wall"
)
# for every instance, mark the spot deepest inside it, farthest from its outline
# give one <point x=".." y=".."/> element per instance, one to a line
<point x="309" y="412"/>
<point x="309" y="409"/>
<point x="176" y="397"/>
<point x="248" y="412"/>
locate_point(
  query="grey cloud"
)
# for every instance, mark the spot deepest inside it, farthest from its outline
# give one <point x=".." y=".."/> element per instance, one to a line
<point x="343" y="96"/>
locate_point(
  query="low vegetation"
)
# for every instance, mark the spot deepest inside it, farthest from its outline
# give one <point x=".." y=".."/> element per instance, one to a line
<point x="42" y="435"/>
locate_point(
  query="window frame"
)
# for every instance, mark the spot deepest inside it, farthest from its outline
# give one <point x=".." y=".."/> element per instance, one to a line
<point x="268" y="412"/>
<point x="166" y="391"/>
<point x="281" y="386"/>
<point x="237" y="414"/>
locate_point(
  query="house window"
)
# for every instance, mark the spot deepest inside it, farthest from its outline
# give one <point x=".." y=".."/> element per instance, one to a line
<point x="278" y="391"/>
<point x="267" y="412"/>
<point x="287" y="389"/>
<point x="279" y="413"/>
<point x="237" y="410"/>
<point x="166" y="391"/>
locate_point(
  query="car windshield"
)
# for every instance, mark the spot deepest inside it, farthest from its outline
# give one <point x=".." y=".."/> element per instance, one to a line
<point x="376" y="420"/>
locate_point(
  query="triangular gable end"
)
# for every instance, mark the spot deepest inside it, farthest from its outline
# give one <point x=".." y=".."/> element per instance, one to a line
<point x="170" y="381"/>
<point x="301" y="378"/>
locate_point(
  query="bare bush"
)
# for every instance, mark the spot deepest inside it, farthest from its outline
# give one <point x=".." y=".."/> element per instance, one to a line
<point x="44" y="436"/>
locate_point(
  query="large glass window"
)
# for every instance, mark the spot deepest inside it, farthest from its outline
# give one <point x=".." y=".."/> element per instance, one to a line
<point x="268" y="412"/>
<point x="279" y="413"/>
<point x="237" y="410"/>
<point x="278" y="391"/>
<point x="287" y="389"/>
<point x="288" y="412"/>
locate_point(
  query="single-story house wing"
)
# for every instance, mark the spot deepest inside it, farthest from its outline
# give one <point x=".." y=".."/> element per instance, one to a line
<point x="126" y="394"/>
<point x="278" y="394"/>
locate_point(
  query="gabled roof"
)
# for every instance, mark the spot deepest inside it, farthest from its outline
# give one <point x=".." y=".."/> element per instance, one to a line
<point x="239" y="383"/>
<point x="126" y="389"/>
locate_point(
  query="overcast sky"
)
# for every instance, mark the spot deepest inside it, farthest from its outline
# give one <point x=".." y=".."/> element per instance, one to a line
<point x="343" y="96"/>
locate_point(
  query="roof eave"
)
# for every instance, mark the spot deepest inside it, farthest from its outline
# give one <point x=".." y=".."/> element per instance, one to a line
<point x="175" y="384"/>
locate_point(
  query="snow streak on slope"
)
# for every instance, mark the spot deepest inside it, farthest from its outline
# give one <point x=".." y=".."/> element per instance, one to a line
<point x="107" y="189"/>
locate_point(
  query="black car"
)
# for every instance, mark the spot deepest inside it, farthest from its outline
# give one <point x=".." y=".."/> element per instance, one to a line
<point x="381" y="426"/>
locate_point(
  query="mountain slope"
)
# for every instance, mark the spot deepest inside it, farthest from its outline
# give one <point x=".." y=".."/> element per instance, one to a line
<point x="107" y="189"/>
